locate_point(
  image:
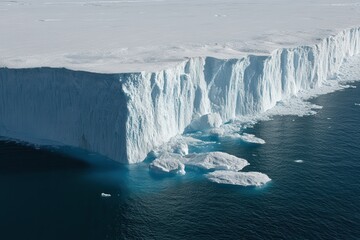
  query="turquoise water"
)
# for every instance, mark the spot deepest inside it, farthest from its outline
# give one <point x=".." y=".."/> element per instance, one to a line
<point x="45" y="195"/>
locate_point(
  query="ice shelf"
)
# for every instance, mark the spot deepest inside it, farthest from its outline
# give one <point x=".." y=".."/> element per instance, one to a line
<point x="126" y="115"/>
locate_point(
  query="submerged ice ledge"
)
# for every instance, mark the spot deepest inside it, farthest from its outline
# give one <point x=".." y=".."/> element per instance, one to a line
<point x="124" y="116"/>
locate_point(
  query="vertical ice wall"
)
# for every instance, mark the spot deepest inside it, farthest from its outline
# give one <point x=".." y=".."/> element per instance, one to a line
<point x="80" y="109"/>
<point x="162" y="104"/>
<point x="124" y="116"/>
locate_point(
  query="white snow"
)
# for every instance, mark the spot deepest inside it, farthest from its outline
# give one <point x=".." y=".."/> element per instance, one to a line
<point x="168" y="163"/>
<point x="239" y="178"/>
<point x="217" y="161"/>
<point x="152" y="35"/>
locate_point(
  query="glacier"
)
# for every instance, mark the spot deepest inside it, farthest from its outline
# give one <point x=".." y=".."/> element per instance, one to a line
<point x="124" y="116"/>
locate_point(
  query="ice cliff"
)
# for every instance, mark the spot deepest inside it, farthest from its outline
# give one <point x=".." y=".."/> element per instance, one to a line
<point x="124" y="116"/>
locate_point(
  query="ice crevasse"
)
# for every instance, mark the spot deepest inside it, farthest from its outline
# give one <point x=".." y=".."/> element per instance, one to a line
<point x="125" y="115"/>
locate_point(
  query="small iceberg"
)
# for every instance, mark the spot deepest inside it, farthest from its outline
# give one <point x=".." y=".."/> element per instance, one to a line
<point x="205" y="122"/>
<point x="105" y="195"/>
<point x="299" y="161"/>
<point x="256" y="179"/>
<point x="357" y="104"/>
<point x="250" y="138"/>
<point x="168" y="163"/>
<point x="217" y="161"/>
<point x="245" y="137"/>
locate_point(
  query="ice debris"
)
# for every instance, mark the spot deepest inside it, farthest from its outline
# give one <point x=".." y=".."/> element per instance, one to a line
<point x="168" y="163"/>
<point x="207" y="121"/>
<point x="217" y="161"/>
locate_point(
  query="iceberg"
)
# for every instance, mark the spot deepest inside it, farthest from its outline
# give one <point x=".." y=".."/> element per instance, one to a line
<point x="245" y="137"/>
<point x="239" y="178"/>
<point x="124" y="116"/>
<point x="168" y="163"/>
<point x="205" y="122"/>
<point x="105" y="195"/>
<point x="216" y="161"/>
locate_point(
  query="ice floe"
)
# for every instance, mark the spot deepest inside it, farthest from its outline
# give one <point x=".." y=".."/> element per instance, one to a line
<point x="168" y="163"/>
<point x="239" y="178"/>
<point x="216" y="161"/>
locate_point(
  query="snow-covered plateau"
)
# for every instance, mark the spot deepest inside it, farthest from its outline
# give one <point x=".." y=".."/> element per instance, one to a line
<point x="107" y="109"/>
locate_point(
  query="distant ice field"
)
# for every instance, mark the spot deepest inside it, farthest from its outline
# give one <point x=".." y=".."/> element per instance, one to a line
<point x="152" y="35"/>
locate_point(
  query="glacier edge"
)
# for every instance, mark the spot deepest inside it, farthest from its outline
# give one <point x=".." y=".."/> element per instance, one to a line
<point x="124" y="116"/>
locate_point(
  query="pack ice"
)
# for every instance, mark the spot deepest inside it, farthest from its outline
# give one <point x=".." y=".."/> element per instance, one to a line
<point x="193" y="82"/>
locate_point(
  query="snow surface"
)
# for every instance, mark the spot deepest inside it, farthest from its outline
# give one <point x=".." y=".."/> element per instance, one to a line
<point x="217" y="161"/>
<point x="152" y="35"/>
<point x="168" y="163"/>
<point x="239" y="178"/>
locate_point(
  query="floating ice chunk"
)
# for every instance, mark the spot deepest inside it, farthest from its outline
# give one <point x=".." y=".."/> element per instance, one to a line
<point x="207" y="121"/>
<point x="250" y="138"/>
<point x="299" y="161"/>
<point x="217" y="161"/>
<point x="182" y="148"/>
<point x="216" y="131"/>
<point x="168" y="163"/>
<point x="245" y="137"/>
<point x="178" y="145"/>
<point x="238" y="178"/>
<point x="105" y="195"/>
<point x="357" y="104"/>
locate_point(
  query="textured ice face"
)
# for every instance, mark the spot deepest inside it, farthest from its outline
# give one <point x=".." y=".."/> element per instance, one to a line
<point x="216" y="161"/>
<point x="239" y="178"/>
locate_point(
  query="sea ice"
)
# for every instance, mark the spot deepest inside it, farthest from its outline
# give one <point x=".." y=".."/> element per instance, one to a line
<point x="168" y="163"/>
<point x="299" y="161"/>
<point x="245" y="137"/>
<point x="217" y="161"/>
<point x="105" y="195"/>
<point x="239" y="178"/>
<point x="250" y="138"/>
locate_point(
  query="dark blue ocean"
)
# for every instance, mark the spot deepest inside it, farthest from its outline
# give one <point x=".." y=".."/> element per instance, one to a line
<point x="46" y="195"/>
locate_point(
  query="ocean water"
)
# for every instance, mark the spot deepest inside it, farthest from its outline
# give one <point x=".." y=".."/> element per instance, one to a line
<point x="45" y="195"/>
